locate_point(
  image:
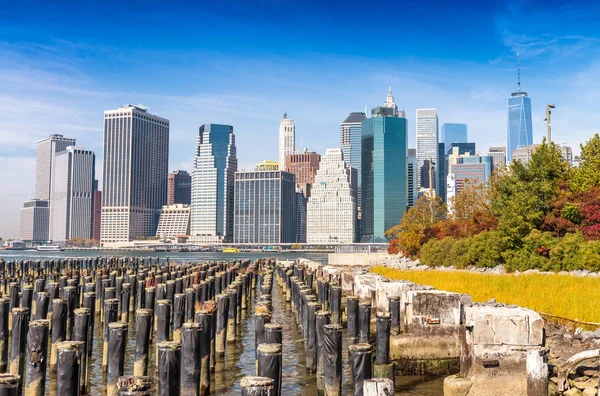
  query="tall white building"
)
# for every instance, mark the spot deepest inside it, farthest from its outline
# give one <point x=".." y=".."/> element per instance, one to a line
<point x="72" y="199"/>
<point x="287" y="139"/>
<point x="46" y="151"/>
<point x="427" y="141"/>
<point x="35" y="218"/>
<point x="331" y="208"/>
<point x="213" y="181"/>
<point x="135" y="173"/>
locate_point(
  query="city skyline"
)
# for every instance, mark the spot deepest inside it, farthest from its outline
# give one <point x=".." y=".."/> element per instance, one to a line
<point x="59" y="77"/>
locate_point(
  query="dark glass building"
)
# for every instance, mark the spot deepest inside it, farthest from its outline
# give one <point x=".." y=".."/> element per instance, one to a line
<point x="384" y="172"/>
<point x="264" y="210"/>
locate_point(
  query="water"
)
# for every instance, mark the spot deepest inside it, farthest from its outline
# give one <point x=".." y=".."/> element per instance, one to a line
<point x="239" y="360"/>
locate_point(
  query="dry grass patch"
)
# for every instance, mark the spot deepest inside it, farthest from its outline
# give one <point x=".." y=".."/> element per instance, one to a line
<point x="566" y="296"/>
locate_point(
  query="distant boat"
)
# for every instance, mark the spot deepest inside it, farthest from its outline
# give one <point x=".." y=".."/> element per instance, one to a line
<point x="231" y="250"/>
<point x="271" y="249"/>
<point x="49" y="248"/>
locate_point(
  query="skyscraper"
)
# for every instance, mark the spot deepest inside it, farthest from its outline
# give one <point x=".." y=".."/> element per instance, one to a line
<point x="213" y="178"/>
<point x="46" y="150"/>
<point x="440" y="167"/>
<point x="520" y="132"/>
<point x="179" y="188"/>
<point x="35" y="220"/>
<point x="384" y="173"/>
<point x="136" y="158"/>
<point x="454" y="133"/>
<point x="427" y="140"/>
<point x="97" y="219"/>
<point x="413" y="190"/>
<point x="287" y="139"/>
<point x="304" y="165"/>
<point x="331" y="209"/>
<point x="72" y="197"/>
<point x="350" y="142"/>
<point x="265" y="207"/>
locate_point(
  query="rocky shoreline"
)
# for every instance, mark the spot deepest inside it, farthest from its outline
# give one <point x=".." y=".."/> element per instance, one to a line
<point x="406" y="264"/>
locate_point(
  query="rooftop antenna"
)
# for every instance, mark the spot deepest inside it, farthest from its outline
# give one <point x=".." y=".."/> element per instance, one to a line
<point x="366" y="111"/>
<point x="518" y="72"/>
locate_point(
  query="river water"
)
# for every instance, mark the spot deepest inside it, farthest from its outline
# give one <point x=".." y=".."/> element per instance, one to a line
<point x="239" y="360"/>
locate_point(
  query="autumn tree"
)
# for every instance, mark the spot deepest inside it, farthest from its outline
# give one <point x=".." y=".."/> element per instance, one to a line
<point x="471" y="211"/>
<point x="408" y="236"/>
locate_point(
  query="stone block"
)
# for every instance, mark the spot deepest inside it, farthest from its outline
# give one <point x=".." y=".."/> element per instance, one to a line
<point x="456" y="386"/>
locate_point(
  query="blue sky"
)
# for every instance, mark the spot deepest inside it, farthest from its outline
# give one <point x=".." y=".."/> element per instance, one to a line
<point x="62" y="63"/>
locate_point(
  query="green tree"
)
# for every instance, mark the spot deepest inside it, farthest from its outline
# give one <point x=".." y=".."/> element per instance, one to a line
<point x="521" y="197"/>
<point x="587" y="174"/>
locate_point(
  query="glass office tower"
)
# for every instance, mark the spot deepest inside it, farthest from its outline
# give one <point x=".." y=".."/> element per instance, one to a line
<point x="454" y="133"/>
<point x="384" y="172"/>
<point x="519" y="122"/>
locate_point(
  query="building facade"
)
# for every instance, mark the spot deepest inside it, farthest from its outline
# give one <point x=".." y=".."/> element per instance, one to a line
<point x="287" y="139"/>
<point x="179" y="188"/>
<point x="523" y="154"/>
<point x="519" y="128"/>
<point x="72" y="195"/>
<point x="440" y="184"/>
<point x="35" y="221"/>
<point x="412" y="188"/>
<point x="498" y="155"/>
<point x="454" y="133"/>
<point x="135" y="173"/>
<point x="300" y="210"/>
<point x="45" y="153"/>
<point x="264" y="207"/>
<point x="351" y="144"/>
<point x="213" y="178"/>
<point x="97" y="219"/>
<point x="331" y="209"/>
<point x="304" y="165"/>
<point x="427" y="140"/>
<point x="174" y="221"/>
<point x="384" y="173"/>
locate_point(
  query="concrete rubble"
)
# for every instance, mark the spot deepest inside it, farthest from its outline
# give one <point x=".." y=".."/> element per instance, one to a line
<point x="483" y="347"/>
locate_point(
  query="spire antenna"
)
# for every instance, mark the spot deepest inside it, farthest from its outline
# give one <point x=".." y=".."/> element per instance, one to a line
<point x="518" y="72"/>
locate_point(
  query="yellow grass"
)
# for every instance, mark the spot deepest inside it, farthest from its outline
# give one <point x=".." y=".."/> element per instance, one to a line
<point x="566" y="296"/>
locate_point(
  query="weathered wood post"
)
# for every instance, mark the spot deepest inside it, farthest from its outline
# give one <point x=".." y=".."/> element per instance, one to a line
<point x="117" y="342"/>
<point x="323" y="318"/>
<point x="537" y="373"/>
<point x="257" y="386"/>
<point x="82" y="326"/>
<point x="190" y="358"/>
<point x="4" y="308"/>
<point x="332" y="359"/>
<point x="352" y="319"/>
<point x="221" y="330"/>
<point x="169" y="368"/>
<point x="311" y="335"/>
<point x="204" y="319"/>
<point x="37" y="358"/>
<point x="143" y="325"/>
<point x="394" y="308"/>
<point x="178" y="316"/>
<point x="383" y="368"/>
<point x="68" y="370"/>
<point x="270" y="364"/>
<point x="19" y="344"/>
<point x="9" y="385"/>
<point x="364" y="319"/>
<point x="335" y="304"/>
<point x="361" y="360"/>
